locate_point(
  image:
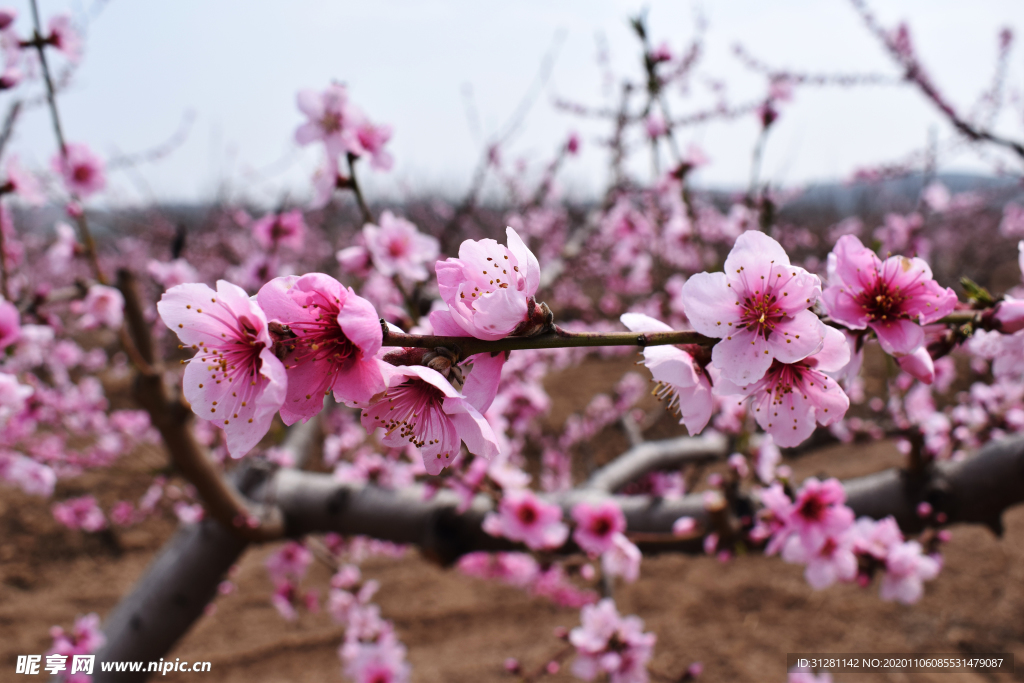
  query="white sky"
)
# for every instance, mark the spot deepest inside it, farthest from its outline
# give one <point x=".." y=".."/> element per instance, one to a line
<point x="238" y="63"/>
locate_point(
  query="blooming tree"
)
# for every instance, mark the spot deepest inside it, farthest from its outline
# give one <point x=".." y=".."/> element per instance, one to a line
<point x="432" y="434"/>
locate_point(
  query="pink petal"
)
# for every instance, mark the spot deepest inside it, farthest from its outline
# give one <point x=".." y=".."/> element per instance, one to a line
<point x="472" y="428"/>
<point x="444" y="325"/>
<point x="835" y="352"/>
<point x="899" y="337"/>
<point x="307" y="384"/>
<point x="498" y="313"/>
<point x="744" y="357"/>
<point x="670" y="365"/>
<point x="638" y="322"/>
<point x="525" y="260"/>
<point x="695" y="407"/>
<point x="361" y="380"/>
<point x="310" y="103"/>
<point x="754" y="252"/>
<point x="918" y="364"/>
<point x="799" y="291"/>
<point x="307" y="133"/>
<point x="482" y="383"/>
<point x="276" y="302"/>
<point x="710" y="304"/>
<point x="856" y="265"/>
<point x="796" y="338"/>
<point x="843" y="307"/>
<point x="360" y="323"/>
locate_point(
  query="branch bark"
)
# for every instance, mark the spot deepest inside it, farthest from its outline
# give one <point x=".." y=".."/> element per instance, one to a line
<point x="977" y="490"/>
<point x="656" y="455"/>
<point x="182" y="580"/>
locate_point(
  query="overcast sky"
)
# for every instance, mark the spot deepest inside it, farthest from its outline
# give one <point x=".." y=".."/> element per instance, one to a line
<point x="236" y="65"/>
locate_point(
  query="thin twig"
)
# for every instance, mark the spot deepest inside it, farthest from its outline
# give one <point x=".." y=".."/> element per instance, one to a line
<point x="353" y="184"/>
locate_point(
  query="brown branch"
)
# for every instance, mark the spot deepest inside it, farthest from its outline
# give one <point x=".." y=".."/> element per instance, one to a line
<point x="51" y="100"/>
<point x="977" y="490"/>
<point x="557" y="339"/>
<point x="656" y="455"/>
<point x="353" y="184"/>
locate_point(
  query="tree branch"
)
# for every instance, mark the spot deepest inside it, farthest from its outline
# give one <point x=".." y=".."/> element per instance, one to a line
<point x="184" y="577"/>
<point x="557" y="339"/>
<point x="977" y="490"/>
<point x="656" y="455"/>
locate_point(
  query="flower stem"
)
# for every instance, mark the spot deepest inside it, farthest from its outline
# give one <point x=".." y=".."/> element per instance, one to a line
<point x="556" y="339"/>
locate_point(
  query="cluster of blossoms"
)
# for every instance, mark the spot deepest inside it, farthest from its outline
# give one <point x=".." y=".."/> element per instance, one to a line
<point x="818" y="531"/>
<point x="371" y="650"/>
<point x="772" y="344"/>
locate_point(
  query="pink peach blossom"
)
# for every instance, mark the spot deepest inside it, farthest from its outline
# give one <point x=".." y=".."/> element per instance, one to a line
<point x="1009" y="313"/>
<point x="791" y="398"/>
<point x="371" y="140"/>
<point x="275" y="230"/>
<point x="758" y="307"/>
<point x="332" y="120"/>
<point x="596" y="526"/>
<point x="680" y="380"/>
<point x="488" y="287"/>
<point x="830" y="561"/>
<point x="234" y="380"/>
<point x="337" y="335"/>
<point x="81" y="169"/>
<point x="66" y="38"/>
<point x="819" y="512"/>
<point x="421" y="407"/>
<point x="102" y="306"/>
<point x="608" y="643"/>
<point x="892" y="297"/>
<point x="80" y="513"/>
<point x="86" y="637"/>
<point x="622" y="559"/>
<point x="290" y="561"/>
<point x="398" y="248"/>
<point x="522" y="516"/>
<point x="23" y="183"/>
<point x="906" y="570"/>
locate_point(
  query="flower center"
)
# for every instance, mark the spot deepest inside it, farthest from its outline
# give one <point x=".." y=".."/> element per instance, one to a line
<point x="82" y="173"/>
<point x="526" y="514"/>
<point x="331" y="122"/>
<point x="322" y="338"/>
<point x="882" y="303"/>
<point x="812" y="509"/>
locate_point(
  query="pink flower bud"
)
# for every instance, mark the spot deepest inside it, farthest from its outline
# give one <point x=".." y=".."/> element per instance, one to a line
<point x="1010" y="315"/>
<point x="924" y="510"/>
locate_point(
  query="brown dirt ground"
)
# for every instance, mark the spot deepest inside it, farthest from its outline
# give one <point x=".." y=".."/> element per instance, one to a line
<point x="739" y="619"/>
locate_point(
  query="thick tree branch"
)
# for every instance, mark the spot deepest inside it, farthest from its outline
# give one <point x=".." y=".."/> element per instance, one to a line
<point x="656" y="455"/>
<point x="977" y="490"/>
<point x="183" y="579"/>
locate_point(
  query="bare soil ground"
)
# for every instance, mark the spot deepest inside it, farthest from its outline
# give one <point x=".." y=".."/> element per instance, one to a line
<point x="739" y="618"/>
